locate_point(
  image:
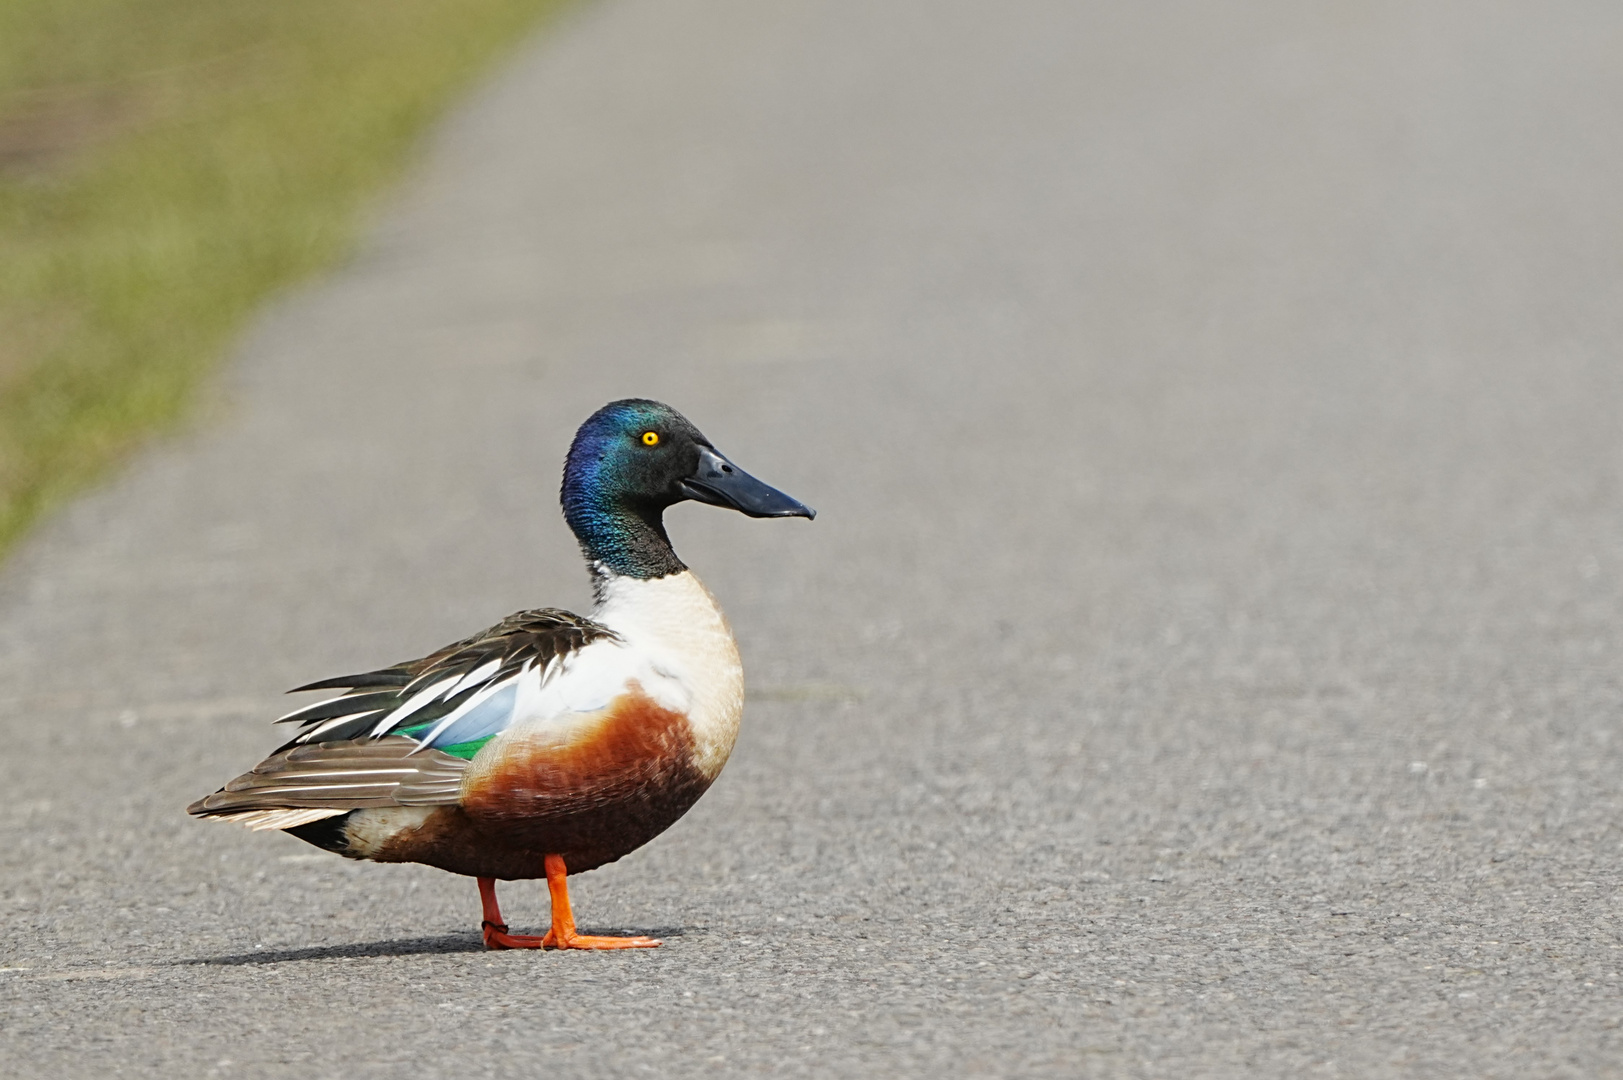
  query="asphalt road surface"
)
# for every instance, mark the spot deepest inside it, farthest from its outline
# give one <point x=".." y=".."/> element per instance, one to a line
<point x="1205" y="661"/>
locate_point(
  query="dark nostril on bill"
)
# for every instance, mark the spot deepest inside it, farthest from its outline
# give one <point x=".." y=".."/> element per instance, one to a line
<point x="726" y="468"/>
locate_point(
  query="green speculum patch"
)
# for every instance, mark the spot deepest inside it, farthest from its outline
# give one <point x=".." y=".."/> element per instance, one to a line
<point x="463" y="750"/>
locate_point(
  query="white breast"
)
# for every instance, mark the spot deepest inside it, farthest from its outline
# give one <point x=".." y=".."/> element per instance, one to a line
<point x="672" y="642"/>
<point x="686" y="655"/>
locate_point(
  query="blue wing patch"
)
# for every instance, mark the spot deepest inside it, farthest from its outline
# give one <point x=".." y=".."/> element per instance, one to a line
<point x="465" y="734"/>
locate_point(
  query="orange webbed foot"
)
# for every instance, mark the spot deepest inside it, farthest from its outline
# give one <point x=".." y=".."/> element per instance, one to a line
<point x="494" y="929"/>
<point x="497" y="937"/>
<point x="571" y="940"/>
<point x="563" y="934"/>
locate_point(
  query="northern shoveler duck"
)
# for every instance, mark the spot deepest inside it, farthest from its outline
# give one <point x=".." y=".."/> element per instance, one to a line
<point x="550" y="743"/>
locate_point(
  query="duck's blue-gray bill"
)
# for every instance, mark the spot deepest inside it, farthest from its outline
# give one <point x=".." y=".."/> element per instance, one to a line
<point x="719" y="482"/>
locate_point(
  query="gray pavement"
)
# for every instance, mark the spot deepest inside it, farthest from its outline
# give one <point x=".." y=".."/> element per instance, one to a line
<point x="1205" y="661"/>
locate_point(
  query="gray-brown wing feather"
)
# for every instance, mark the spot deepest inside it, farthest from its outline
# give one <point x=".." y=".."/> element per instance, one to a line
<point x="373" y="745"/>
<point x="411" y="697"/>
<point x="348" y="775"/>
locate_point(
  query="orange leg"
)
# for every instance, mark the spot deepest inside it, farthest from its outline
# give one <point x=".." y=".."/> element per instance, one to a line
<point x="496" y="935"/>
<point x="563" y="935"/>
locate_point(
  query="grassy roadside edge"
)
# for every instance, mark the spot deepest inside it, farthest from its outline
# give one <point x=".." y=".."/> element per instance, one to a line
<point x="223" y="152"/>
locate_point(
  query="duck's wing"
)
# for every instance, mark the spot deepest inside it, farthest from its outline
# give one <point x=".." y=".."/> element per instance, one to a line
<point x="403" y="735"/>
<point x="462" y="694"/>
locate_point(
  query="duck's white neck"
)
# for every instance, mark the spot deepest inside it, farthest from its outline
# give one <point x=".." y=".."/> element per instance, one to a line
<point x="675" y="623"/>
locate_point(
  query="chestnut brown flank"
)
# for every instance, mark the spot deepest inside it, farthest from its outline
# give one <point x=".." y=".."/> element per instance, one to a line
<point x="592" y="798"/>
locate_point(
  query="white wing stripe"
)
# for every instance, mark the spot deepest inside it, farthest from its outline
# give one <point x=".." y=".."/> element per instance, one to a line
<point x="309" y="736"/>
<point x="462" y="710"/>
<point x="323" y="774"/>
<point x="330" y="789"/>
<point x="421" y="699"/>
<point x="307" y="708"/>
<point x="476" y="676"/>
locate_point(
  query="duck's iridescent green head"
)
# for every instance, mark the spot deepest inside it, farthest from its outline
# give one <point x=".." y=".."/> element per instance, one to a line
<point x="630" y="460"/>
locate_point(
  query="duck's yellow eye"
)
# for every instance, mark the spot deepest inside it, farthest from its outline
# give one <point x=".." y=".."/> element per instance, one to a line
<point x="650" y="438"/>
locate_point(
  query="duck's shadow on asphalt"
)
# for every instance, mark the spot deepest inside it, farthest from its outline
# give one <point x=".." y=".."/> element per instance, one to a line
<point x="424" y="946"/>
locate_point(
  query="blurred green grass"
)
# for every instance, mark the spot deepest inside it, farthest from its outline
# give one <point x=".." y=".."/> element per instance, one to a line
<point x="165" y="165"/>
